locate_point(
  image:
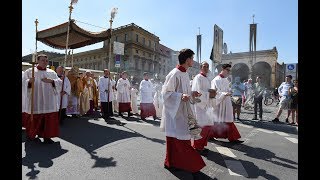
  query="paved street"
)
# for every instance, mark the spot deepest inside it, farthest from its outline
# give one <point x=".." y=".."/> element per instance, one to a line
<point x="89" y="148"/>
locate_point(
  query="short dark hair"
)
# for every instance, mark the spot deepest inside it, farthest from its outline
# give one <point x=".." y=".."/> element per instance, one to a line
<point x="202" y="63"/>
<point x="145" y="73"/>
<point x="224" y="66"/>
<point x="289" y="76"/>
<point x="184" y="54"/>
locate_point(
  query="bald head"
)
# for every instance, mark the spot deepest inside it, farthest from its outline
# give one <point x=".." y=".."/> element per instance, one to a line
<point x="59" y="70"/>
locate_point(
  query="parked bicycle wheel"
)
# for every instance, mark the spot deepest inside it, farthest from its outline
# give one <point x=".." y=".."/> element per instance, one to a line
<point x="268" y="101"/>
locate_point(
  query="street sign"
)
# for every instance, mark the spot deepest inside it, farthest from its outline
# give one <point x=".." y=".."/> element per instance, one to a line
<point x="118" y="48"/>
<point x="117" y="60"/>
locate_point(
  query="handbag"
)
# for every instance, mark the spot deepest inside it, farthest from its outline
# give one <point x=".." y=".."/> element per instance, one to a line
<point x="236" y="100"/>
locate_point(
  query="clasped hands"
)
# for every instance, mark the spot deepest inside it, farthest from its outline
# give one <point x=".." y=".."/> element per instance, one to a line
<point x="186" y="97"/>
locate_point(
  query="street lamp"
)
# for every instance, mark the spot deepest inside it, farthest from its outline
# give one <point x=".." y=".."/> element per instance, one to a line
<point x="113" y="14"/>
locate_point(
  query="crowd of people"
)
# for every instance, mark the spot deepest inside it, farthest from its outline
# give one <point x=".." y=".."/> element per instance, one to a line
<point x="48" y="97"/>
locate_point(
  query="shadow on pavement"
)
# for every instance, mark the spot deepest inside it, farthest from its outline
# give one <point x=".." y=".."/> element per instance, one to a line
<point x="184" y="175"/>
<point x="258" y="153"/>
<point x="269" y="125"/>
<point x="101" y="161"/>
<point x="254" y="172"/>
<point x="151" y="139"/>
<point x="36" y="152"/>
<point x="91" y="136"/>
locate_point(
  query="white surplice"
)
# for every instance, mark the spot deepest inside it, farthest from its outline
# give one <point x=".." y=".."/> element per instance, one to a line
<point x="222" y="106"/>
<point x="201" y="84"/>
<point x="123" y="91"/>
<point x="103" y="85"/>
<point x="158" y="102"/>
<point x="146" y="91"/>
<point x="174" y="114"/>
<point x="134" y="100"/>
<point x="67" y="89"/>
<point x="45" y="94"/>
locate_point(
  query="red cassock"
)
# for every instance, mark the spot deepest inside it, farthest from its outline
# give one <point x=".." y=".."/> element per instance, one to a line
<point x="180" y="154"/>
<point x="147" y="109"/>
<point x="225" y="130"/>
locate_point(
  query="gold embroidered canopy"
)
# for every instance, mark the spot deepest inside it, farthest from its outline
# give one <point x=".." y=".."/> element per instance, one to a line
<point x="56" y="36"/>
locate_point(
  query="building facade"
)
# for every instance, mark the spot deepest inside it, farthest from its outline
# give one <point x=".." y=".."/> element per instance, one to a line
<point x="142" y="53"/>
<point x="265" y="65"/>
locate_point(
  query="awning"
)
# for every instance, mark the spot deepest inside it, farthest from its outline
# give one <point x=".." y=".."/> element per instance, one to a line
<point x="56" y="36"/>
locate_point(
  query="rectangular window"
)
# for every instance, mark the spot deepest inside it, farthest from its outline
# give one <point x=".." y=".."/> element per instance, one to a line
<point x="137" y="37"/>
<point x="117" y="38"/>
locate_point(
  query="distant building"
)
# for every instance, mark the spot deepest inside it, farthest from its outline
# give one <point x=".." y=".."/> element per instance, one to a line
<point x="51" y="57"/>
<point x="142" y="53"/>
<point x="266" y="66"/>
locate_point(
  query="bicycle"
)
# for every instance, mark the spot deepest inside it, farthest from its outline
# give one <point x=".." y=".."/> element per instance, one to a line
<point x="270" y="98"/>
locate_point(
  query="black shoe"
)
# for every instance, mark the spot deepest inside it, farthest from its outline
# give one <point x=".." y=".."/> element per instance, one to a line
<point x="171" y="168"/>
<point x="154" y="117"/>
<point x="254" y="118"/>
<point x="197" y="175"/>
<point x="260" y="118"/>
<point x="48" y="141"/>
<point x="237" y="141"/>
<point x="203" y="152"/>
<point x="275" y="120"/>
<point x="120" y="114"/>
<point x="143" y="119"/>
<point x="130" y="114"/>
<point x="238" y="119"/>
<point x="36" y="140"/>
<point x="287" y="120"/>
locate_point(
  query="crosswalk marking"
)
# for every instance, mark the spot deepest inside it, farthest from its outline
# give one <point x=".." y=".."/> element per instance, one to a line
<point x="266" y="131"/>
<point x="281" y="133"/>
<point x="244" y="125"/>
<point x="235" y="168"/>
<point x="294" y="140"/>
<point x="225" y="151"/>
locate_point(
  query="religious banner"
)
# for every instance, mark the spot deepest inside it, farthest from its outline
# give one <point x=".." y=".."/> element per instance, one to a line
<point x="199" y="48"/>
<point x="253" y="37"/>
<point x="217" y="44"/>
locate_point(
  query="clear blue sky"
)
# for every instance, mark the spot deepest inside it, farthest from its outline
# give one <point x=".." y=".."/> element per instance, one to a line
<point x="176" y="22"/>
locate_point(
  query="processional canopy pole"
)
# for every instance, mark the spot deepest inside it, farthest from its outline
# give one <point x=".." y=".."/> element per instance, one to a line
<point x="67" y="40"/>
<point x="33" y="62"/>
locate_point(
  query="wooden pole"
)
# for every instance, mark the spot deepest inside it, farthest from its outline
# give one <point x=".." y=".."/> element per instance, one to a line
<point x="33" y="62"/>
<point x="65" y="59"/>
